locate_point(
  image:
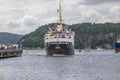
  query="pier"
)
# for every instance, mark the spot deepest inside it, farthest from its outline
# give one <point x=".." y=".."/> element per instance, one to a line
<point x="10" y="53"/>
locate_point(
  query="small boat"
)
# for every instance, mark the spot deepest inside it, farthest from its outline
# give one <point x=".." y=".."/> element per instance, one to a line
<point x="117" y="46"/>
<point x="79" y="50"/>
<point x="99" y="49"/>
<point x="87" y="50"/>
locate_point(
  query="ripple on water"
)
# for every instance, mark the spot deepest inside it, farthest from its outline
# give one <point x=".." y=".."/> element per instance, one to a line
<point x="35" y="65"/>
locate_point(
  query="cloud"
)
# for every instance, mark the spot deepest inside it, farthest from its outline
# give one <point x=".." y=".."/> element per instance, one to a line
<point x="13" y="23"/>
<point x="29" y="20"/>
<point x="115" y="9"/>
<point x="24" y="16"/>
<point x="95" y="2"/>
<point x="22" y="25"/>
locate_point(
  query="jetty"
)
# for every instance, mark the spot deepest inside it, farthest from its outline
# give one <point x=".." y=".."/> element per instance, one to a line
<point x="10" y="53"/>
<point x="7" y="51"/>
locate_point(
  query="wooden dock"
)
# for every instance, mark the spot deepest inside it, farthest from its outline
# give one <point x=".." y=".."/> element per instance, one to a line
<point x="10" y="53"/>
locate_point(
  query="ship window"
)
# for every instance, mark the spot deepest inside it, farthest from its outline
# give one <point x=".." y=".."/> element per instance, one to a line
<point x="69" y="36"/>
<point x="63" y="36"/>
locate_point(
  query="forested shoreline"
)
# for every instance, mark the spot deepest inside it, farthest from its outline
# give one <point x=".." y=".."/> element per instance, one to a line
<point x="90" y="35"/>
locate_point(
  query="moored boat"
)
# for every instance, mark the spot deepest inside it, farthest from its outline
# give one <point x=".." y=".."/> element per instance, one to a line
<point x="117" y="46"/>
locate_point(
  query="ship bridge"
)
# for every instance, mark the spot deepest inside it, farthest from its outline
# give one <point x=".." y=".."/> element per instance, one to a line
<point x="54" y="39"/>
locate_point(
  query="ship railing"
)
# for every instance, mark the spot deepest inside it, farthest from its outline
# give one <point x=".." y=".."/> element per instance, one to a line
<point x="59" y="40"/>
<point x="53" y="37"/>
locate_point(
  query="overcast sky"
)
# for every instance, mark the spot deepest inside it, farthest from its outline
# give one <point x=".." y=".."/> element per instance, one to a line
<point x="24" y="16"/>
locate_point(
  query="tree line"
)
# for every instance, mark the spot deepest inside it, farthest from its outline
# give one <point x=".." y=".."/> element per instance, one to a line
<point x="90" y="35"/>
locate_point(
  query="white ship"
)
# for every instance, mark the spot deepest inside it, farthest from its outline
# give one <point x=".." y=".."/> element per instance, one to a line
<point x="60" y="40"/>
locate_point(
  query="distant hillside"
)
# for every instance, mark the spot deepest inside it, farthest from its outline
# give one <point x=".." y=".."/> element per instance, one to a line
<point x="8" y="38"/>
<point x="86" y="35"/>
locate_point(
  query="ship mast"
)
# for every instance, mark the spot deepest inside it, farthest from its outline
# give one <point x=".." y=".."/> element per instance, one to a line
<point x="59" y="26"/>
<point x="60" y="11"/>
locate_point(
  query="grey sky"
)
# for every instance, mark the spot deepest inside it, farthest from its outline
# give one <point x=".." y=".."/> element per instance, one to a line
<point x="24" y="16"/>
<point x="96" y="2"/>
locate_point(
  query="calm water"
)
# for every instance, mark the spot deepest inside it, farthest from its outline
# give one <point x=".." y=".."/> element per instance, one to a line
<point x="34" y="65"/>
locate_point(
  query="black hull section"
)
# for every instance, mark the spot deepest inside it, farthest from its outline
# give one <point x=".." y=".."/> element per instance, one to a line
<point x="63" y="49"/>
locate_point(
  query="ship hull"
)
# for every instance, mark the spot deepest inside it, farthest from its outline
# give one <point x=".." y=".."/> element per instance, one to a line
<point x="65" y="49"/>
<point x="117" y="50"/>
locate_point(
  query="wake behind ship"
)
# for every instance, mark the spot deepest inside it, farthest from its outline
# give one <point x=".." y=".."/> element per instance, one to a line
<point x="60" y="40"/>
